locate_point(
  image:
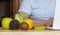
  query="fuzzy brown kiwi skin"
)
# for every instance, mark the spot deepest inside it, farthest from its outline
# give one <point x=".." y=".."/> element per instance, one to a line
<point x="24" y="26"/>
<point x="14" y="25"/>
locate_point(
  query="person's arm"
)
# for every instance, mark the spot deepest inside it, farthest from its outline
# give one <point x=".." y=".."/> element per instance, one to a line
<point x="49" y="22"/>
<point x="25" y="10"/>
<point x="36" y="22"/>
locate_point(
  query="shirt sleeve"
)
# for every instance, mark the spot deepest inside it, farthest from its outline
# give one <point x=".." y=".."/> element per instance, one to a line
<point x="25" y="7"/>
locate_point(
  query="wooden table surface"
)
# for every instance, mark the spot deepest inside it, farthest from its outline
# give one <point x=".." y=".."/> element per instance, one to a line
<point x="29" y="32"/>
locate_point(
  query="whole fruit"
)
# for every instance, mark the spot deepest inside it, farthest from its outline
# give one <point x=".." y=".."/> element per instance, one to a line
<point x="24" y="26"/>
<point x="6" y="22"/>
<point x="40" y="27"/>
<point x="19" y="17"/>
<point x="14" y="25"/>
<point x="29" y="23"/>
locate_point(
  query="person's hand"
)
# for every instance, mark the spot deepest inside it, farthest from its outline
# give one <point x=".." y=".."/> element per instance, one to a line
<point x="49" y="22"/>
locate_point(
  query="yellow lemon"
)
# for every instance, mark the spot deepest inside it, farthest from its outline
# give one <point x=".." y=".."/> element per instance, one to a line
<point x="5" y="22"/>
<point x="40" y="27"/>
<point x="29" y="22"/>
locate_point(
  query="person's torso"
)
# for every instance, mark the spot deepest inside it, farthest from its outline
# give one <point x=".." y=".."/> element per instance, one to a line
<point x="42" y="9"/>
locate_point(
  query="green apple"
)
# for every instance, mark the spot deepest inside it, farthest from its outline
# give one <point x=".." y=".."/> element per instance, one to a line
<point x="19" y="17"/>
<point x="40" y="27"/>
<point x="6" y="22"/>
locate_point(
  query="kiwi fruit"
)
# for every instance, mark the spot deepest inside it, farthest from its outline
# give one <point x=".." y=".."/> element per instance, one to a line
<point x="14" y="24"/>
<point x="24" y="26"/>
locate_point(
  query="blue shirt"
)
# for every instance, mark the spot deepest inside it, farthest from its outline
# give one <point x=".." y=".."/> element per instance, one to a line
<point x="38" y="9"/>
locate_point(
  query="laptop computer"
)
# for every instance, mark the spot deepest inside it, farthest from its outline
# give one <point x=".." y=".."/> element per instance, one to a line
<point x="56" y="19"/>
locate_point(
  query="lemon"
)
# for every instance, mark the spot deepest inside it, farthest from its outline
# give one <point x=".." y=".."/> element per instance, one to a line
<point x="29" y="22"/>
<point x="40" y="27"/>
<point x="6" y="22"/>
